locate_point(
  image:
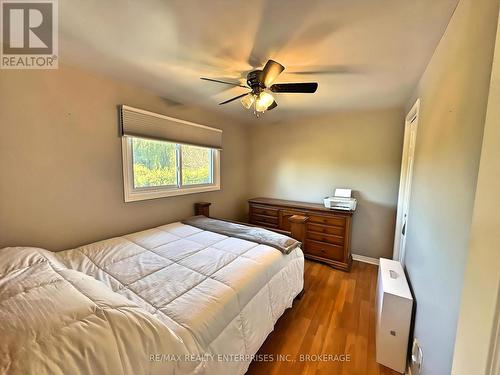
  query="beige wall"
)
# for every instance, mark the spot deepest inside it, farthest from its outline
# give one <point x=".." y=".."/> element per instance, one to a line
<point x="60" y="160"/>
<point x="454" y="94"/>
<point x="306" y="159"/>
<point x="480" y="306"/>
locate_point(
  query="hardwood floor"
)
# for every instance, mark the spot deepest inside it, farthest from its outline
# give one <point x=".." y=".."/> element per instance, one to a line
<point x="335" y="317"/>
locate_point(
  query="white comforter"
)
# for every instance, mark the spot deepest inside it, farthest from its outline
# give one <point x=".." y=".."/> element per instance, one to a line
<point x="196" y="302"/>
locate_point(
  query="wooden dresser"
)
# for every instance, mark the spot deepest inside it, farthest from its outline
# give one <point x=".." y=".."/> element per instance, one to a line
<point x="327" y="237"/>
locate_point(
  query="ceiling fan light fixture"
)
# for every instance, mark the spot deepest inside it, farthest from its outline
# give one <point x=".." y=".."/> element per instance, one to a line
<point x="248" y="100"/>
<point x="263" y="101"/>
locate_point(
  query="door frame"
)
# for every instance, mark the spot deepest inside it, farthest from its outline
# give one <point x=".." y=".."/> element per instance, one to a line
<point x="412" y="118"/>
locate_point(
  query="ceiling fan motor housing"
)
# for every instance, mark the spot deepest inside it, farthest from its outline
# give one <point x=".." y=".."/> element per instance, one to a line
<point x="254" y="80"/>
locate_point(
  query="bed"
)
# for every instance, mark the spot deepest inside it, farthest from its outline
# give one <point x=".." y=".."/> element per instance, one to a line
<point x="171" y="299"/>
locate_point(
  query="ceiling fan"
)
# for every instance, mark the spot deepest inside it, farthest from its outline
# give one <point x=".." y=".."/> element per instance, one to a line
<point x="261" y="82"/>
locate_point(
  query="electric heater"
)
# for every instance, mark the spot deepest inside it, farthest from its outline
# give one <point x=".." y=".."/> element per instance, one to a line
<point x="393" y="314"/>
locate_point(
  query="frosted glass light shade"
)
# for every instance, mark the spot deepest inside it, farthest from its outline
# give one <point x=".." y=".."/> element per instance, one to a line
<point x="263" y="101"/>
<point x="247" y="101"/>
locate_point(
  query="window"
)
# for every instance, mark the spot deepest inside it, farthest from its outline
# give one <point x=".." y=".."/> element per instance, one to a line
<point x="156" y="169"/>
<point x="164" y="156"/>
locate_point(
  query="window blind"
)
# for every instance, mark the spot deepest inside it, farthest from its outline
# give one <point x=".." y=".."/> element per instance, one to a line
<point x="140" y="123"/>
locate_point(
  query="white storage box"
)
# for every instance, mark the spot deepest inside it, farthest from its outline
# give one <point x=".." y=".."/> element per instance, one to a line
<point x="393" y="315"/>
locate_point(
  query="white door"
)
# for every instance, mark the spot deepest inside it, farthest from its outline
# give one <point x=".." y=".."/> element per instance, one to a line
<point x="410" y="137"/>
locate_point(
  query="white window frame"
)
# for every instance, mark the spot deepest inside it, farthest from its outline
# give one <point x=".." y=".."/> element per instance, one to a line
<point x="132" y="194"/>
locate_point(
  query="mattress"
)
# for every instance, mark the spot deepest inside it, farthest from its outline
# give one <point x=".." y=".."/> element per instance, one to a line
<point x="219" y="296"/>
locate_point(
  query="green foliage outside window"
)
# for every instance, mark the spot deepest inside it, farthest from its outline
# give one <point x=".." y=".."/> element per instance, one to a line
<point x="196" y="162"/>
<point x="155" y="164"/>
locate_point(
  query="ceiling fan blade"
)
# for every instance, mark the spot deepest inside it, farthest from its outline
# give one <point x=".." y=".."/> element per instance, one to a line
<point x="235" y="98"/>
<point x="326" y="69"/>
<point x="226" y="83"/>
<point x="272" y="106"/>
<point x="270" y="72"/>
<point x="305" y="88"/>
<point x="318" y="72"/>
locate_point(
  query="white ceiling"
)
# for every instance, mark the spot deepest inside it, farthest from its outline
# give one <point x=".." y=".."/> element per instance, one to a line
<point x="363" y="53"/>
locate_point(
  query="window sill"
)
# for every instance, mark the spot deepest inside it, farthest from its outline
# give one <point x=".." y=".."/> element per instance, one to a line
<point x="134" y="196"/>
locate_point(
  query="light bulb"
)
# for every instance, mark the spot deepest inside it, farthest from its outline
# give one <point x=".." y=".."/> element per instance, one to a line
<point x="247" y="101"/>
<point x="263" y="101"/>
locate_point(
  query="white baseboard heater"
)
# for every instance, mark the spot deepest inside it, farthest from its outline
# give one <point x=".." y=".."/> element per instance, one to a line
<point x="393" y="315"/>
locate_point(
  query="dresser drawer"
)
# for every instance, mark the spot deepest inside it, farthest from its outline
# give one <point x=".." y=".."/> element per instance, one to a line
<point x="261" y="210"/>
<point x="264" y="219"/>
<point x="324" y="250"/>
<point x="338" y="221"/>
<point x="333" y="239"/>
<point x="319" y="228"/>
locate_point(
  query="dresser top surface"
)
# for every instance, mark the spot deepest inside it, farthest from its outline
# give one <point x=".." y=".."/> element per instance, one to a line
<point x="296" y="204"/>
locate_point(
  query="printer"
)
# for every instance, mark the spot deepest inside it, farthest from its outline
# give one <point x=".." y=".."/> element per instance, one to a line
<point x="342" y="200"/>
